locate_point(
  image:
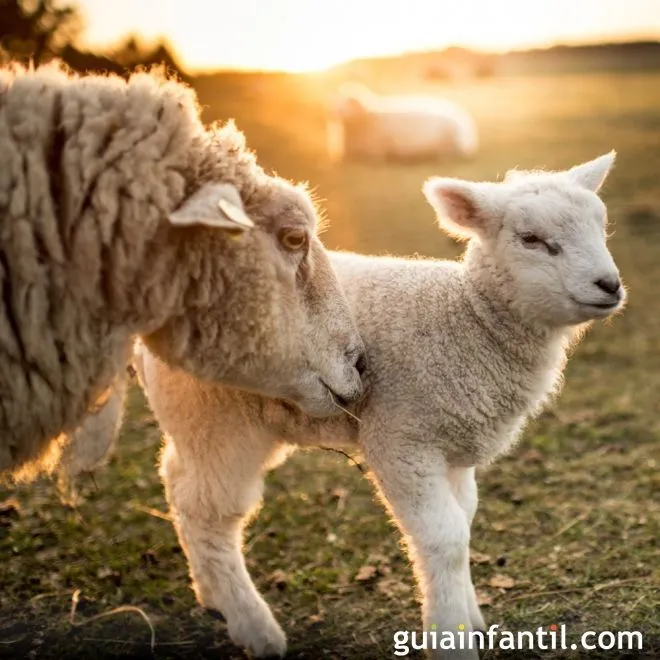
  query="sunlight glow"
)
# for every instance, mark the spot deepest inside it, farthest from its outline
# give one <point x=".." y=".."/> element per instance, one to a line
<point x="308" y="35"/>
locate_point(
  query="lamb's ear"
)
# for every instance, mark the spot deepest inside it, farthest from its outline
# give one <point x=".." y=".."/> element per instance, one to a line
<point x="213" y="205"/>
<point x="465" y="209"/>
<point x="592" y="175"/>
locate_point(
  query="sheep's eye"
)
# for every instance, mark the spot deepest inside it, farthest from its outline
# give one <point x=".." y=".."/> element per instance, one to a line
<point x="293" y="239"/>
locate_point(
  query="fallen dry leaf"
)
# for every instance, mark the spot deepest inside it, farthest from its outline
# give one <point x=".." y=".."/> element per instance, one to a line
<point x="483" y="599"/>
<point x="502" y="581"/>
<point x="393" y="588"/>
<point x="499" y="527"/>
<point x="381" y="562"/>
<point x="479" y="557"/>
<point x="532" y="456"/>
<point x="366" y="573"/>
<point x="278" y="579"/>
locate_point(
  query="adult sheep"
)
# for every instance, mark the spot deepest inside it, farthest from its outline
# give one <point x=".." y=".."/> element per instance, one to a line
<point x="364" y="125"/>
<point x="460" y="356"/>
<point x="118" y="212"/>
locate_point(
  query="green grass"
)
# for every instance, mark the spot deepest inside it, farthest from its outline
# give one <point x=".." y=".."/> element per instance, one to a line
<point x="572" y="515"/>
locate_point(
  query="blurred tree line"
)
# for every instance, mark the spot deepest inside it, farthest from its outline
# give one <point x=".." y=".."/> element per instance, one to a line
<point x="40" y="30"/>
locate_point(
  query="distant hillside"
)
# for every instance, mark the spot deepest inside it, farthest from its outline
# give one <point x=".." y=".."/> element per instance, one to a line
<point x="457" y="63"/>
<point x="632" y="56"/>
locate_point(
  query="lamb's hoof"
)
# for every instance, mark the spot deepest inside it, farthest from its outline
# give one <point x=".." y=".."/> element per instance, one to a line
<point x="261" y="636"/>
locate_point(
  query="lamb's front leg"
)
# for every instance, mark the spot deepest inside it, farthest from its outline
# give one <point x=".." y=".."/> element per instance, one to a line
<point x="210" y="497"/>
<point x="416" y="485"/>
<point x="464" y="485"/>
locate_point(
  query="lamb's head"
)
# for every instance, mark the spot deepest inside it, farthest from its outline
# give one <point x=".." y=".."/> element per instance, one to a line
<point x="265" y="312"/>
<point x="540" y="237"/>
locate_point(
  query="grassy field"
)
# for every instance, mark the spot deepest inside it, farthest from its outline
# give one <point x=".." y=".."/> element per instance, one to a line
<point x="571" y="518"/>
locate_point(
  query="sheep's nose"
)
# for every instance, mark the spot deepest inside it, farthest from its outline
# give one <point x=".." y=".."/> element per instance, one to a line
<point x="354" y="393"/>
<point x="345" y="402"/>
<point x="609" y="285"/>
<point x="348" y="397"/>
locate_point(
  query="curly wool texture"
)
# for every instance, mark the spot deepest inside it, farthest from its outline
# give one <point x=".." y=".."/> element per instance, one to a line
<point x="90" y="168"/>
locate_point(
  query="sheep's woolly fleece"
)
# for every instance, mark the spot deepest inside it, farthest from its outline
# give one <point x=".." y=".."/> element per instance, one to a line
<point x="90" y="168"/>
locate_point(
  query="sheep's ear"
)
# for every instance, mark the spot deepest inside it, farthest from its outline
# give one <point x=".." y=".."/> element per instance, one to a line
<point x="353" y="100"/>
<point x="465" y="209"/>
<point x="215" y="205"/>
<point x="350" y="107"/>
<point x="592" y="175"/>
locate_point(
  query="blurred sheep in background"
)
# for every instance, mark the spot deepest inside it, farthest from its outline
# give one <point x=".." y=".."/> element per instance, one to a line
<point x="365" y="126"/>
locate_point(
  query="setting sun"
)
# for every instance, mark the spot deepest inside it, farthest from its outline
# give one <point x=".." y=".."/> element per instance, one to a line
<point x="303" y="35"/>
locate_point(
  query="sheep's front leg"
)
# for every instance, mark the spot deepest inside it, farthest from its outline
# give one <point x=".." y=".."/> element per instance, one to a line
<point x="210" y="496"/>
<point x="464" y="486"/>
<point x="416" y="485"/>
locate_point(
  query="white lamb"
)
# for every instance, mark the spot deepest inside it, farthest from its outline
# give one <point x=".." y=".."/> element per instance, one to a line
<point x="460" y="356"/>
<point x="363" y="125"/>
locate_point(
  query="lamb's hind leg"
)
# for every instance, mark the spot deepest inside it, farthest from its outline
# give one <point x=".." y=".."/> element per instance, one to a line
<point x="415" y="482"/>
<point x="210" y="497"/>
<point x="464" y="485"/>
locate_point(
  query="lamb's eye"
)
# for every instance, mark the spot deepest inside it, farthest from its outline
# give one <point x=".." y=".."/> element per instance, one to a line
<point x="531" y="239"/>
<point x="293" y="239"/>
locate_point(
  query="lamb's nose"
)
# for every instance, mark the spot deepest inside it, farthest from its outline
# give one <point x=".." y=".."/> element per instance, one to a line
<point x="609" y="285"/>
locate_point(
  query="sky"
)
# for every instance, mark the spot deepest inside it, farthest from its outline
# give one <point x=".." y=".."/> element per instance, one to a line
<point x="307" y="35"/>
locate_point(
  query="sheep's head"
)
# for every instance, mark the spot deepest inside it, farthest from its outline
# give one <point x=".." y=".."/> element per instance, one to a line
<point x="264" y="313"/>
<point x="353" y="102"/>
<point x="542" y="236"/>
<point x="317" y="354"/>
